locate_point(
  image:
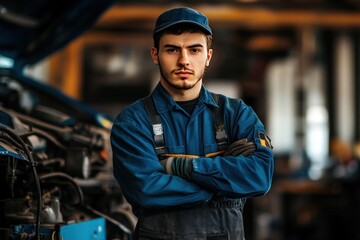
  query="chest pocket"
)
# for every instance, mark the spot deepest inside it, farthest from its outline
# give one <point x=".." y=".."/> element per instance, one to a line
<point x="210" y="149"/>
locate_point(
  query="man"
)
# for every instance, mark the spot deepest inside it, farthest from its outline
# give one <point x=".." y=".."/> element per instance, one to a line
<point x="185" y="178"/>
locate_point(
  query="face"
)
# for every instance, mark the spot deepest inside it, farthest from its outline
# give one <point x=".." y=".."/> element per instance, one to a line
<point x="182" y="60"/>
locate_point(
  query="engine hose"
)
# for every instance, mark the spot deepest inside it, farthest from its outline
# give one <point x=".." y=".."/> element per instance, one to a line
<point x="68" y="177"/>
<point x="9" y="139"/>
<point x="18" y="139"/>
<point x="39" y="132"/>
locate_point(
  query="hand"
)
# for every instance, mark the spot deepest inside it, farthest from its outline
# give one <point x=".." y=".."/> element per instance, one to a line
<point x="178" y="166"/>
<point x="240" y="147"/>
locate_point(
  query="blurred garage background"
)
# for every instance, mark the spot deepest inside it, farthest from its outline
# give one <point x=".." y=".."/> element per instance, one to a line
<point x="296" y="62"/>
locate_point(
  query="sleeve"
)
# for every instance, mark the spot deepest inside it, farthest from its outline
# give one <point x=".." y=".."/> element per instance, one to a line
<point x="238" y="176"/>
<point x="139" y="172"/>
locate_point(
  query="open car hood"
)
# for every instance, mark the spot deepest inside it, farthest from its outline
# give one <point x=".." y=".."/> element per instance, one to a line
<point x="32" y="30"/>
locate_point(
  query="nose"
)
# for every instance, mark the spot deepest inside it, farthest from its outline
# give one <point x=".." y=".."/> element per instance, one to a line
<point x="183" y="58"/>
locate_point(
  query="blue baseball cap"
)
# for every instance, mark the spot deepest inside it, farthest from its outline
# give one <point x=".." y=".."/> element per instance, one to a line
<point x="182" y="15"/>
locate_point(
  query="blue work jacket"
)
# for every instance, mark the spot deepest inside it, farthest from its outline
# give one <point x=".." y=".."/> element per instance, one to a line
<point x="141" y="176"/>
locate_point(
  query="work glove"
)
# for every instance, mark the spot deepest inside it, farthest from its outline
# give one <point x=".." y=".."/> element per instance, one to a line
<point x="178" y="166"/>
<point x="240" y="147"/>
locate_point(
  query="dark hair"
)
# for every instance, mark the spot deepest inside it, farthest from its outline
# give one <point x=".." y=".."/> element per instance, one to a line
<point x="179" y="29"/>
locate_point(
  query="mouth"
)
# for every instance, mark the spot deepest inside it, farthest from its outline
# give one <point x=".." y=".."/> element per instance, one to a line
<point x="183" y="74"/>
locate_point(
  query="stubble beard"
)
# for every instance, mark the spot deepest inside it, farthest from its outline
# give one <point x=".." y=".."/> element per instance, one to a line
<point x="180" y="86"/>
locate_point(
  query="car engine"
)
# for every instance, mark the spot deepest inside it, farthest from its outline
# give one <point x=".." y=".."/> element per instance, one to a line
<point x="55" y="172"/>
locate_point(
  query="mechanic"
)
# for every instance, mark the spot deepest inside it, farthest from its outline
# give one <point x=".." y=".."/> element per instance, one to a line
<point x="186" y="171"/>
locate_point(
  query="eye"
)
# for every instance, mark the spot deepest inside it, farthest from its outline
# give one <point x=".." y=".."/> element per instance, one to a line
<point x="171" y="50"/>
<point x="195" y="50"/>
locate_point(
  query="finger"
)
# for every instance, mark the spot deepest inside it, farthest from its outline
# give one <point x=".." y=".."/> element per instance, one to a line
<point x="235" y="145"/>
<point x="238" y="142"/>
<point x="249" y="151"/>
<point x="243" y="150"/>
<point x="238" y="147"/>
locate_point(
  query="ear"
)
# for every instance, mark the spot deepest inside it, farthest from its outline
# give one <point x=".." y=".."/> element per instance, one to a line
<point x="154" y="55"/>
<point x="209" y="55"/>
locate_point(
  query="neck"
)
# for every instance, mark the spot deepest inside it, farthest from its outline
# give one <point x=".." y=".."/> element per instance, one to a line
<point x="182" y="94"/>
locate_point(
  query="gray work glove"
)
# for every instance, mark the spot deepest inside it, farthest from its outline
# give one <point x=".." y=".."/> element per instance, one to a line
<point x="240" y="147"/>
<point x="178" y="166"/>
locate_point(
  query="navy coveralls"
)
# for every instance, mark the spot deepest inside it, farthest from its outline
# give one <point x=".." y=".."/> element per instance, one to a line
<point x="209" y="204"/>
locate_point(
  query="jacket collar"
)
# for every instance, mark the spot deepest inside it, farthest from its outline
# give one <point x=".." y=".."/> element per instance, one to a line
<point x="164" y="102"/>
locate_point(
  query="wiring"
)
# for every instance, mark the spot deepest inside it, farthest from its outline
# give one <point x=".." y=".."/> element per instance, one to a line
<point x="25" y="148"/>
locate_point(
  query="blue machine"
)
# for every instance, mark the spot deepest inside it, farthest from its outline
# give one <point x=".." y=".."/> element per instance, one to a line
<point x="94" y="229"/>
